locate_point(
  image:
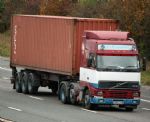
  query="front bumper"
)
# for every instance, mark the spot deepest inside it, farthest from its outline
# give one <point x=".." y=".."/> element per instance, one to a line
<point x="110" y="101"/>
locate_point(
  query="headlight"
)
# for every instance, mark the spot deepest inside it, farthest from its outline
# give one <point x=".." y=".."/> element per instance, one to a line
<point x="136" y="94"/>
<point x="100" y="93"/>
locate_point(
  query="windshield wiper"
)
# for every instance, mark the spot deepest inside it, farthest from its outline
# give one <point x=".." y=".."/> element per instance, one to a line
<point x="120" y="84"/>
<point x="131" y="67"/>
<point x="111" y="67"/>
<point x="116" y="67"/>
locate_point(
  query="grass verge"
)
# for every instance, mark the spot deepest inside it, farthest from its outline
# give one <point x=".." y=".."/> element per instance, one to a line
<point x="145" y="79"/>
<point x="5" y="44"/>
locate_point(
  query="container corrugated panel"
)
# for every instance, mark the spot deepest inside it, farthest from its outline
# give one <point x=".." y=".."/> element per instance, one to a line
<point x="51" y="43"/>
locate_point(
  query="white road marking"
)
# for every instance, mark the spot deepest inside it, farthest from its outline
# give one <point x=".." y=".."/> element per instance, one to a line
<point x="5" y="78"/>
<point x="36" y="98"/>
<point x="89" y="110"/>
<point x="148" y="101"/>
<point x="5" y="69"/>
<point x="146" y="96"/>
<point x="147" y="109"/>
<point x="16" y="109"/>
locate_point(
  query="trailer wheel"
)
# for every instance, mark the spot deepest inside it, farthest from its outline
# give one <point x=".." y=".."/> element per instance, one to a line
<point x="63" y="94"/>
<point x="24" y="82"/>
<point x="18" y="83"/>
<point x="31" y="88"/>
<point x="72" y="95"/>
<point x="87" y="103"/>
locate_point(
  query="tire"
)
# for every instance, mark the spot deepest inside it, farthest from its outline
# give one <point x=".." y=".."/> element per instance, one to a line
<point x="18" y="83"/>
<point x="87" y="103"/>
<point x="129" y="109"/>
<point x="31" y="88"/>
<point x="63" y="94"/>
<point x="24" y="82"/>
<point x="72" y="95"/>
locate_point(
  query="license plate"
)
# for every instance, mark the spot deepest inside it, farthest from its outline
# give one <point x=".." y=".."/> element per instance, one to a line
<point x="118" y="102"/>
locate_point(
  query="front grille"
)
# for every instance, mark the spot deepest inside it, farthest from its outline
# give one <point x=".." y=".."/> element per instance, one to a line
<point x="118" y="85"/>
<point x="117" y="94"/>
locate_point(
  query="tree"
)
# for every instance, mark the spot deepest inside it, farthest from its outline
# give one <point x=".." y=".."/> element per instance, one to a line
<point x="1" y="6"/>
<point x="18" y="7"/>
<point x="88" y="8"/>
<point x="32" y="7"/>
<point x="2" y="26"/>
<point x="56" y="7"/>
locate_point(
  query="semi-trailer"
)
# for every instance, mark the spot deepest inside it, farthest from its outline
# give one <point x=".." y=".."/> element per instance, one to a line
<point x="83" y="60"/>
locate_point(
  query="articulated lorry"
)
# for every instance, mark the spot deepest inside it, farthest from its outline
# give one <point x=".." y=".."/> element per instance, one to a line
<point x="82" y="60"/>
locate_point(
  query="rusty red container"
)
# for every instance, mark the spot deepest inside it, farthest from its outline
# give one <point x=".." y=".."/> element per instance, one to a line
<point x="52" y="43"/>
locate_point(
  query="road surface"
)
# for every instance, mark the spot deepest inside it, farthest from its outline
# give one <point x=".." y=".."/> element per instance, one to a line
<point x="44" y="107"/>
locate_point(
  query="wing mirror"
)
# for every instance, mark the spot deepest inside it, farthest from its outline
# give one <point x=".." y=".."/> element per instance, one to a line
<point x="91" y="61"/>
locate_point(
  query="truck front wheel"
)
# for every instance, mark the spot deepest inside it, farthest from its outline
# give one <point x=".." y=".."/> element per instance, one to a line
<point x="63" y="94"/>
<point x="73" y="98"/>
<point x="87" y="103"/>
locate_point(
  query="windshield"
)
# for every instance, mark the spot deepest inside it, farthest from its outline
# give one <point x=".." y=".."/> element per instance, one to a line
<point x="118" y="63"/>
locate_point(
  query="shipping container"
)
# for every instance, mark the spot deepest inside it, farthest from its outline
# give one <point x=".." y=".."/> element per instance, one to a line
<point x="52" y="43"/>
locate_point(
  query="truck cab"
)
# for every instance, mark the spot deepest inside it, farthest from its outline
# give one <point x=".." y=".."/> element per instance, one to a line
<point x="110" y="70"/>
